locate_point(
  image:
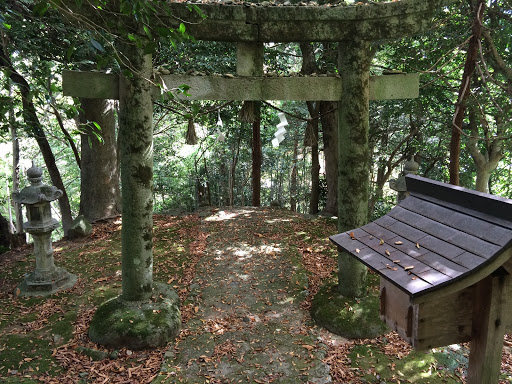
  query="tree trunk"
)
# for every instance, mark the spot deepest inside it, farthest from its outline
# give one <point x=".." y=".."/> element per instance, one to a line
<point x="487" y="162"/>
<point x="313" y="109"/>
<point x="293" y="175"/>
<point x="100" y="196"/>
<point x="329" y="119"/>
<point x="256" y="157"/>
<point x="464" y="91"/>
<point x="136" y="148"/>
<point x="354" y="157"/>
<point x="232" y="173"/>
<point x="36" y="131"/>
<point x="5" y="235"/>
<point x="207" y="182"/>
<point x="18" y="213"/>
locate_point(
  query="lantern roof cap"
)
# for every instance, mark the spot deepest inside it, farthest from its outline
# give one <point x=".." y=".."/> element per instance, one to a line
<point x="37" y="192"/>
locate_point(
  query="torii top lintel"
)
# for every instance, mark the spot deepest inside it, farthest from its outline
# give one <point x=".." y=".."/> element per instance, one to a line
<point x="253" y="22"/>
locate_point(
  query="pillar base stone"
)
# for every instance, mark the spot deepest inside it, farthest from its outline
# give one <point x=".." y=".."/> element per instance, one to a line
<point x="45" y="283"/>
<point x="138" y="324"/>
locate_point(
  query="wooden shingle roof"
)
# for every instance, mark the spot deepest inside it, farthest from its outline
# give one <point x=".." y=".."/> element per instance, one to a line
<point x="439" y="236"/>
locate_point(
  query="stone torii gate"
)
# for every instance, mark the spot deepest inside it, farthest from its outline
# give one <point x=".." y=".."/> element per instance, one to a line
<point x="250" y="26"/>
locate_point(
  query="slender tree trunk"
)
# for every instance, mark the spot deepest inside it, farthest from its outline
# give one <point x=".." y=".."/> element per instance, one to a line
<point x="464" y="91"/>
<point x="293" y="176"/>
<point x="315" y="163"/>
<point x="329" y="119"/>
<point x="232" y="173"/>
<point x="100" y="194"/>
<point x="354" y="157"/>
<point x="207" y="182"/>
<point x="136" y="147"/>
<point x="256" y="157"/>
<point x="18" y="213"/>
<point x="37" y="132"/>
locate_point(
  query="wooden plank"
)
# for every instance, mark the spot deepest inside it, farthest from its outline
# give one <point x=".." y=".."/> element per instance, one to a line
<point x="446" y="233"/>
<point x="407" y="232"/>
<point x="492" y="302"/>
<point x="440" y="247"/>
<point x="106" y="86"/>
<point x="481" y="202"/>
<point x="444" y="321"/>
<point x="395" y="310"/>
<point x="385" y="221"/>
<point x="469" y="260"/>
<point x="457" y="284"/>
<point x="507" y="224"/>
<point x="379" y="232"/>
<point x="409" y="284"/>
<point x="476" y="227"/>
<point x="434" y="277"/>
<point x="447" y="267"/>
<point x="409" y="248"/>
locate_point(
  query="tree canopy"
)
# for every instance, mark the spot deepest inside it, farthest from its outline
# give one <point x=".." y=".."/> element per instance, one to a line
<point x="38" y="43"/>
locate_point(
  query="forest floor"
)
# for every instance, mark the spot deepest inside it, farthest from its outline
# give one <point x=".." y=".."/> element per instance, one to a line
<point x="246" y="278"/>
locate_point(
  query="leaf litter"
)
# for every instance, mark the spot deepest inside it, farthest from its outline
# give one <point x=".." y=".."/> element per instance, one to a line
<point x="184" y="236"/>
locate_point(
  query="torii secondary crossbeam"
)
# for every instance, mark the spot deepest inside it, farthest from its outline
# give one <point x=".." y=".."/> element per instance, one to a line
<point x="308" y="88"/>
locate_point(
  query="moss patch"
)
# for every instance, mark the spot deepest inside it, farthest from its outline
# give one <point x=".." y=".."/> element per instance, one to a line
<point x="439" y="366"/>
<point x="347" y="317"/>
<point x="137" y="325"/>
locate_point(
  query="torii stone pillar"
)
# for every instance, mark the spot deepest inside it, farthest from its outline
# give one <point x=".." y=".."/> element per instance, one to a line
<point x="145" y="315"/>
<point x="249" y="62"/>
<point x="354" y="156"/>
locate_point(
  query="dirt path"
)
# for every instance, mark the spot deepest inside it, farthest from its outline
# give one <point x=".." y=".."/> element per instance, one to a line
<point x="248" y="326"/>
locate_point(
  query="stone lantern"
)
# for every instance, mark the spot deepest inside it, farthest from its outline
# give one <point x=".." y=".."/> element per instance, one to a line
<point x="47" y="278"/>
<point x="410" y="168"/>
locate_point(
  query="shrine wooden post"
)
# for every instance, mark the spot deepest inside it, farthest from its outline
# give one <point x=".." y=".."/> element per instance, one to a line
<point x="354" y="26"/>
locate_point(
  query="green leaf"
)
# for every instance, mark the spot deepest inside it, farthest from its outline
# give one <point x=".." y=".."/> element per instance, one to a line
<point x="70" y="51"/>
<point x="183" y="89"/>
<point x="6" y="26"/>
<point x="195" y="8"/>
<point x="182" y="28"/>
<point x="41" y="8"/>
<point x="97" y="45"/>
<point x="131" y="37"/>
<point x="148" y="31"/>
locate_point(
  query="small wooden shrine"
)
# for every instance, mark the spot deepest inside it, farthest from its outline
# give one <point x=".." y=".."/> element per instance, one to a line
<point x="444" y="257"/>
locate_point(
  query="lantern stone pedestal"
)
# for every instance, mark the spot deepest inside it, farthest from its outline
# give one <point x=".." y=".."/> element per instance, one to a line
<point x="46" y="279"/>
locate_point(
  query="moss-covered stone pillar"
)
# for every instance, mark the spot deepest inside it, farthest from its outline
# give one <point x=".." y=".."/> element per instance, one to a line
<point x="136" y="151"/>
<point x="146" y="314"/>
<point x="353" y="156"/>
